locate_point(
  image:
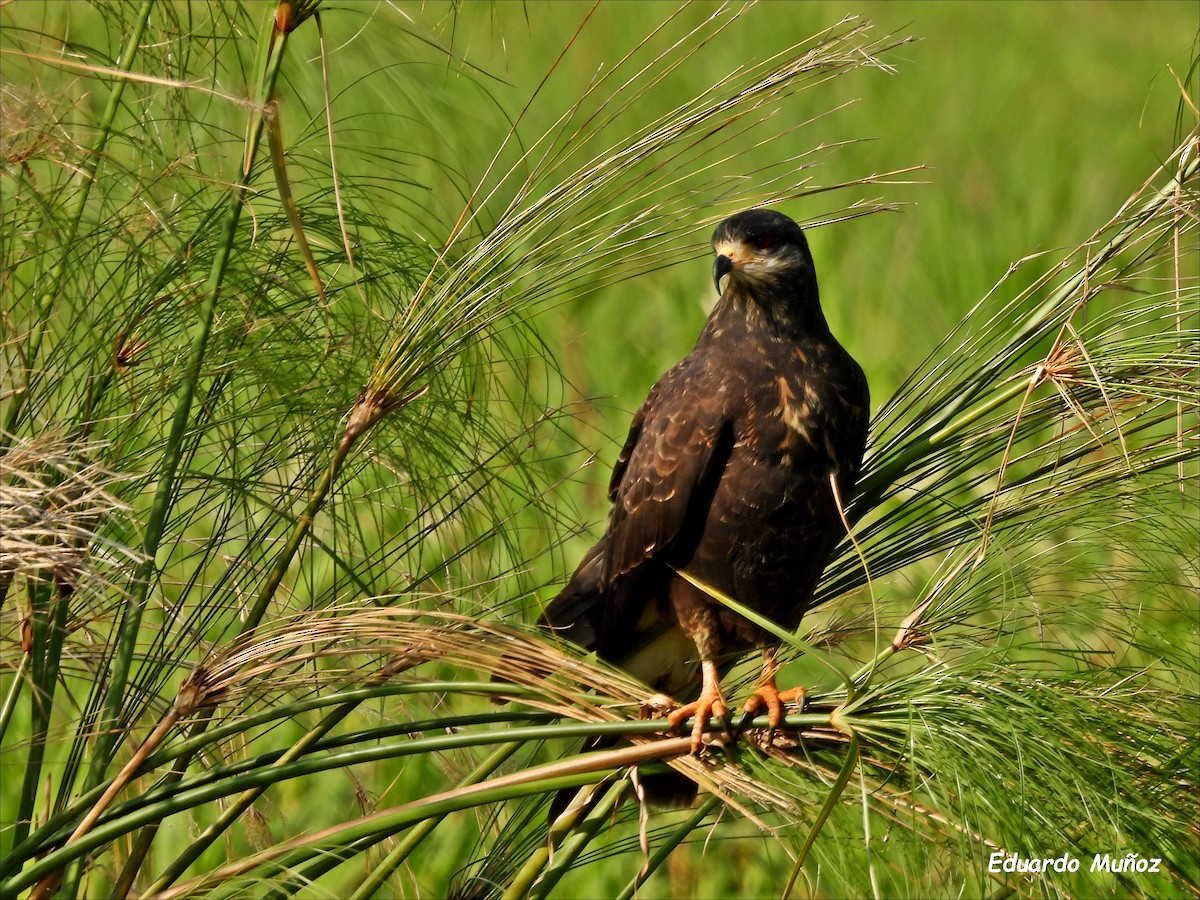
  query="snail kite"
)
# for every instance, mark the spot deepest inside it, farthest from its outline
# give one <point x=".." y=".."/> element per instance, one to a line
<point x="727" y="476"/>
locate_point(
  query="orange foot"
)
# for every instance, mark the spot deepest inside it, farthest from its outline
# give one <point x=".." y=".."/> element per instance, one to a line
<point x="768" y="696"/>
<point x="710" y="703"/>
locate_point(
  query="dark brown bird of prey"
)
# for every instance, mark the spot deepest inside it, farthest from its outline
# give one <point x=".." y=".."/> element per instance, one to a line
<point x="728" y="476"/>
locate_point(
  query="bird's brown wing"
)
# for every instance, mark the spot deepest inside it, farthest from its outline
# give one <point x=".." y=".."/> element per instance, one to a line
<point x="661" y="488"/>
<point x="635" y="432"/>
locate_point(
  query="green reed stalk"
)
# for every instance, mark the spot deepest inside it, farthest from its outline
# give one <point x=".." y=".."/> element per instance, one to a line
<point x="45" y="676"/>
<point x="398" y="854"/>
<point x="667" y="847"/>
<point x="40" y="701"/>
<point x="572" y="845"/>
<point x="234" y="810"/>
<point x="133" y="610"/>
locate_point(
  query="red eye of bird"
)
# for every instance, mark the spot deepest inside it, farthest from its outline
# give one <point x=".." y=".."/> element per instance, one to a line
<point x="762" y="242"/>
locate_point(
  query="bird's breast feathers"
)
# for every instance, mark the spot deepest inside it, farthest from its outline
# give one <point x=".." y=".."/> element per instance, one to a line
<point x="790" y="416"/>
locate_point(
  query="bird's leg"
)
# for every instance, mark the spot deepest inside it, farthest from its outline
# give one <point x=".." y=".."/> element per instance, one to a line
<point x="710" y="703"/>
<point x="768" y="696"/>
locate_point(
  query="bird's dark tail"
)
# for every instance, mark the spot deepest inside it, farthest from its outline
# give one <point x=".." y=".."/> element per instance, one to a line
<point x="668" y="790"/>
<point x="661" y="790"/>
<point x="574" y="615"/>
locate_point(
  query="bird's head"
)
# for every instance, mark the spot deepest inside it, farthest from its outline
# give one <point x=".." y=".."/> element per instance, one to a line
<point x="761" y="249"/>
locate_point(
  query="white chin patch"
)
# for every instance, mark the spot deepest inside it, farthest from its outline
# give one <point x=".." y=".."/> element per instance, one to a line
<point x="768" y="265"/>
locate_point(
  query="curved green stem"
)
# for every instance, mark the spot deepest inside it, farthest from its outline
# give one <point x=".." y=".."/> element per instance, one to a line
<point x="396" y="857"/>
<point x="667" y="847"/>
<point x="572" y="845"/>
<point x="290" y="855"/>
<point x="14" y="692"/>
<point x="835" y="794"/>
<point x="784" y="636"/>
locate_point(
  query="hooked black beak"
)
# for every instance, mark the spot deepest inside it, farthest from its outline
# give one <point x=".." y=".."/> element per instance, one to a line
<point x="721" y="267"/>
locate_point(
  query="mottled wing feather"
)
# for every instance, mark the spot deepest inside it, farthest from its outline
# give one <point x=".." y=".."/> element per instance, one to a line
<point x="635" y="432"/>
<point x="662" y="485"/>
